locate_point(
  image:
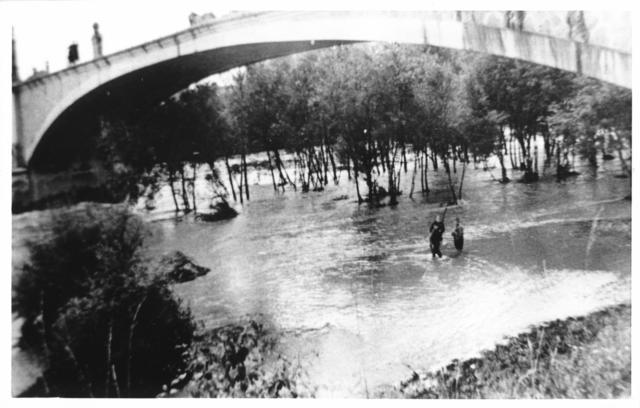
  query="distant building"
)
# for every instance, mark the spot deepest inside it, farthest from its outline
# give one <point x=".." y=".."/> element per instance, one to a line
<point x="96" y="40"/>
<point x="195" y="19"/>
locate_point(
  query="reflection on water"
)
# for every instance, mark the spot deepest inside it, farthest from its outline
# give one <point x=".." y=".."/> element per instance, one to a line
<point x="357" y="294"/>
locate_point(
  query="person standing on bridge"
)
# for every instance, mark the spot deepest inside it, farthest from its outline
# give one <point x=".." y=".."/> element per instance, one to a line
<point x="73" y="56"/>
<point x="96" y="40"/>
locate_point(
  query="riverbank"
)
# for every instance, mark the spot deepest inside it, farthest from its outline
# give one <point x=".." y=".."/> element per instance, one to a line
<point x="579" y="357"/>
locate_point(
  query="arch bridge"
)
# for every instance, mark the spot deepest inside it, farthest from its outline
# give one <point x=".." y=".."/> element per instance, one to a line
<point x="54" y="114"/>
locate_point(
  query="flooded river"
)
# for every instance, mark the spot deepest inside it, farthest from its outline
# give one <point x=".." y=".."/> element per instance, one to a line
<point x="357" y="295"/>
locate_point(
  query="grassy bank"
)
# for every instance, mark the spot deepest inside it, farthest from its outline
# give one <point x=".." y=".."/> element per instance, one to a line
<point x="583" y="357"/>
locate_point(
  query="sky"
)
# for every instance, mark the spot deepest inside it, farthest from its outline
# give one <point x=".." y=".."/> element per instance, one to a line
<point x="44" y="29"/>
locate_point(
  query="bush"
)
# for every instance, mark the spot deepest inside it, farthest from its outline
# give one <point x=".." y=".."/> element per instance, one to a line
<point x="240" y="360"/>
<point x="101" y="324"/>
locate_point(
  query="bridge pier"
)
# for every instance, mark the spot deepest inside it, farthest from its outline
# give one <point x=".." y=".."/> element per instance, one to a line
<point x="33" y="190"/>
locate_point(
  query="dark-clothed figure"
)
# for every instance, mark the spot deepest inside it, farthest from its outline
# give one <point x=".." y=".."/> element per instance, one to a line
<point x="458" y="235"/>
<point x="96" y="40"/>
<point x="73" y="54"/>
<point x="435" y="236"/>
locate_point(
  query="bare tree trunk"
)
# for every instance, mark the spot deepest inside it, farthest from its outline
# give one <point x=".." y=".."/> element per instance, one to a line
<point x="426" y="169"/>
<point x="72" y="356"/>
<point x="185" y="197"/>
<point x="240" y="184"/>
<point x="193" y="189"/>
<point x="559" y="167"/>
<point x="240" y="188"/>
<point x="314" y="170"/>
<point x="504" y="169"/>
<point x="419" y="156"/>
<point x="512" y="152"/>
<point x="333" y="165"/>
<point x="448" y="171"/>
<point x="348" y="168"/>
<point x="404" y="157"/>
<point x="355" y="176"/>
<point x="233" y="189"/>
<point x="282" y="171"/>
<point x="393" y="199"/>
<point x="244" y="169"/>
<point x="273" y="177"/>
<point x="325" y="163"/>
<point x="132" y="327"/>
<point x="546" y="137"/>
<point x="413" y="178"/>
<point x="115" y="380"/>
<point x="318" y="167"/>
<point x="215" y="181"/>
<point x="454" y="161"/>
<point x="173" y="190"/>
<point x="464" y="168"/>
<point x="368" y="177"/>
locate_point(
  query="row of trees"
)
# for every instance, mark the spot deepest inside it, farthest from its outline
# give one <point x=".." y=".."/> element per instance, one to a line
<point x="369" y="110"/>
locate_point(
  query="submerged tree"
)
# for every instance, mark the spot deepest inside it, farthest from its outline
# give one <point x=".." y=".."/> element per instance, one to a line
<point x="167" y="143"/>
<point x="365" y="109"/>
<point x="597" y="116"/>
<point x="523" y="93"/>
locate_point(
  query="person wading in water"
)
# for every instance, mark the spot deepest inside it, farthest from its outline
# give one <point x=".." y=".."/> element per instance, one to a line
<point x="435" y="235"/>
<point x="458" y="235"/>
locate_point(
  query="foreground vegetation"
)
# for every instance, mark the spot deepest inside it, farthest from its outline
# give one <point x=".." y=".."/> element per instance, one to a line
<point x="583" y="357"/>
<point x="239" y="360"/>
<point x="102" y="321"/>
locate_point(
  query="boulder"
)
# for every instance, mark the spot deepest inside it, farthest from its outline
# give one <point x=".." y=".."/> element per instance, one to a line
<point x="178" y="267"/>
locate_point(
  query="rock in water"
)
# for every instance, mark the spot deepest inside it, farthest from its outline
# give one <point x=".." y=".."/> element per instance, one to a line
<point x="222" y="212"/>
<point x="179" y="268"/>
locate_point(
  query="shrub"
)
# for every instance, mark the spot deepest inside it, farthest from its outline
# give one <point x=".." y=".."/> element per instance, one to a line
<point x="102" y="325"/>
<point x="240" y="360"/>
